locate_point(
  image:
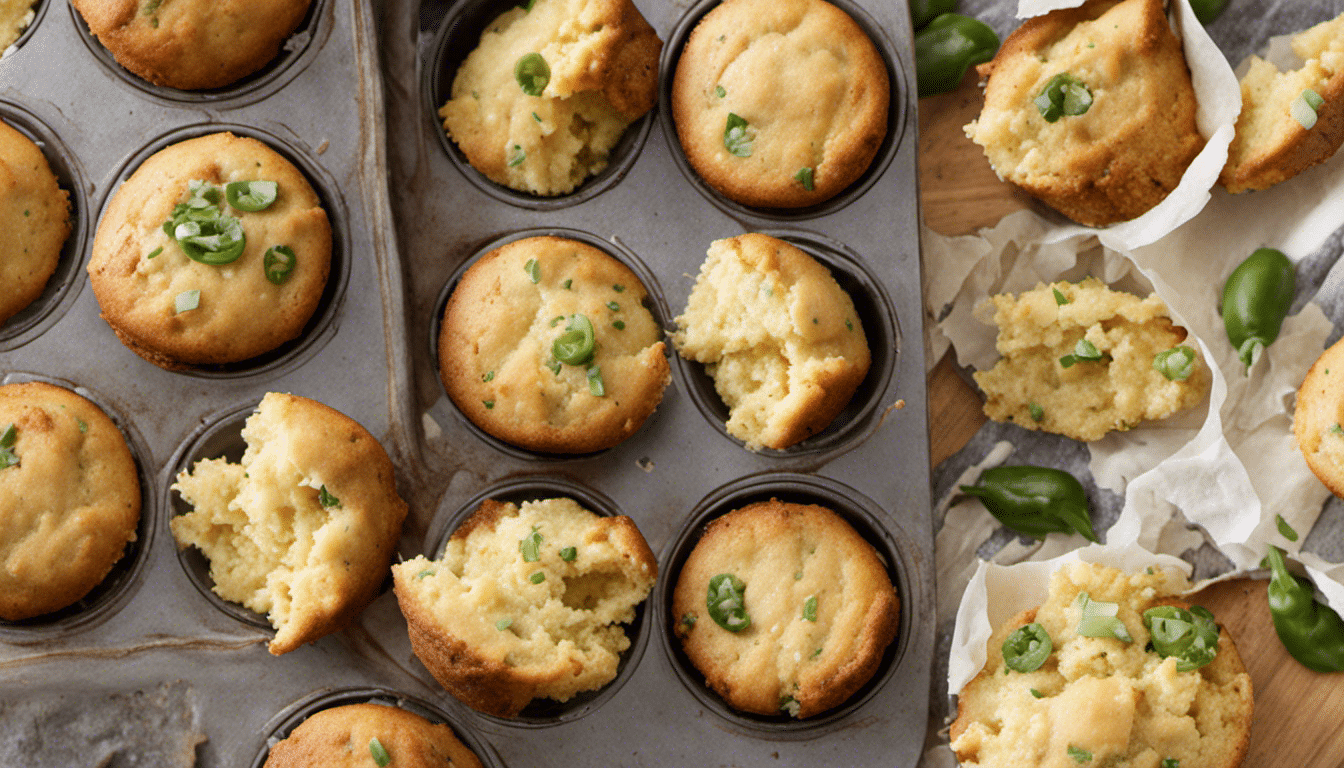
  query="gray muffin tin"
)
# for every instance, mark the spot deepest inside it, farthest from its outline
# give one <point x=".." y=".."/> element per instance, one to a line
<point x="369" y="353"/>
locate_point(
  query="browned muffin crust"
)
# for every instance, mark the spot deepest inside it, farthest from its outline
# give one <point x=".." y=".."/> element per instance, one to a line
<point x="34" y="221"/>
<point x="342" y="737"/>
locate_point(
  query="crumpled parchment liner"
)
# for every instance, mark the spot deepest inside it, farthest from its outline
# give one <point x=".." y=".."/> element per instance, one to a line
<point x="1230" y="466"/>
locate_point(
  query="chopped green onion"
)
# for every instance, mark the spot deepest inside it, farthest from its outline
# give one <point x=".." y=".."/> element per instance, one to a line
<point x="424" y="573"/>
<point x="1176" y="363"/>
<point x="1336" y="429"/>
<point x="618" y="288"/>
<point x="489" y="376"/>
<point x="380" y="755"/>
<point x="537" y="577"/>
<point x="554" y="365"/>
<point x="155" y="252"/>
<point x="1304" y="107"/>
<point x="816" y="653"/>
<point x="1037" y="694"/>
<point x="1036" y="411"/>
<point x="804" y="177"/>
<point x="325" y="498"/>
<point x="688" y="620"/>
<point x="503" y="624"/>
<point x="83" y="426"/>
<point x="1285" y="530"/>
<point x="618" y="325"/>
<point x="1189" y="636"/>
<point x="532" y="73"/>
<point x="849" y="324"/>
<point x="1099" y="619"/>
<point x="1079" y="755"/>
<point x="530" y="546"/>
<point x="575" y="346"/>
<point x="1060" y="298"/>
<point x="8" y="458"/>
<point x="533" y="270"/>
<point x="1084" y="351"/>
<point x="489" y="404"/>
<point x="187" y="301"/>
<point x="613" y="306"/>
<point x="556" y="319"/>
<point x="810" y="608"/>
<point x="279" y="263"/>
<point x="1171" y="762"/>
<point x="568" y="554"/>
<point x="595" y="385"/>
<point x="737" y="137"/>
<point x="516" y="156"/>
<point x="1313" y="99"/>
<point x="251" y="195"/>
<point x="720" y="91"/>
<point x="566" y="284"/>
<point x="1063" y="95"/>
<point x="536" y="117"/>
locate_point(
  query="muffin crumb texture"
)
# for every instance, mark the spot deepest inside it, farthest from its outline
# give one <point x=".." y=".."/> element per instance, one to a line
<point x="1317" y="416"/>
<point x="15" y="16"/>
<point x="779" y="336"/>
<point x="1031" y="386"/>
<point x="1271" y="143"/>
<point x="1103" y="701"/>
<point x="1129" y="149"/>
<point x="302" y="529"/>
<point x="600" y="59"/>
<point x="526" y="601"/>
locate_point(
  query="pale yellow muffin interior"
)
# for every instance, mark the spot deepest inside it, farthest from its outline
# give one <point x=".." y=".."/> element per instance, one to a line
<point x="1121" y="704"/>
<point x="1090" y="398"/>
<point x="15" y="16"/>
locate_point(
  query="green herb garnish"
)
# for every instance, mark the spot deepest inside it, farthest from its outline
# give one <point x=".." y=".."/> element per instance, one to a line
<point x="1304" y="108"/>
<point x="489" y="404"/>
<point x="1063" y="95"/>
<point x="1171" y="762"/>
<point x="1083" y="352"/>
<point x="1037" y="694"/>
<point x="204" y="232"/>
<point x="810" y="608"/>
<point x="155" y="252"/>
<point x="726" y="602"/>
<point x="532" y="73"/>
<point x="251" y="195"/>
<point x="424" y="573"/>
<point x="618" y="325"/>
<point x="537" y="577"/>
<point x="325" y="498"/>
<point x="1035" y="411"/>
<point x="720" y="91"/>
<point x="737" y="137"/>
<point x="1060" y="298"/>
<point x="575" y="346"/>
<point x="1176" y="363"/>
<point x="1079" y="755"/>
<point x="489" y="376"/>
<point x="804" y="177"/>
<point x="8" y="458"/>
<point x="380" y="755"/>
<point x="1027" y="648"/>
<point x="187" y="301"/>
<point x="279" y="263"/>
<point x="1191" y="636"/>
<point x="516" y="156"/>
<point x="1100" y="619"/>
<point x="816" y="653"/>
<point x="1285" y="530"/>
<point x="503" y="624"/>
<point x="618" y="288"/>
<point x="533" y="270"/>
<point x="595" y="385"/>
<point x="566" y="284"/>
<point x="530" y="546"/>
<point x="568" y="554"/>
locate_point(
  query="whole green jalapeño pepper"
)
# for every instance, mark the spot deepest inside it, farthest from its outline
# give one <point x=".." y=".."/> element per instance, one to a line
<point x="1207" y="10"/>
<point x="1313" y="633"/>
<point x="924" y="11"/>
<point x="1256" y="299"/>
<point x="947" y="47"/>
<point x="1034" y="500"/>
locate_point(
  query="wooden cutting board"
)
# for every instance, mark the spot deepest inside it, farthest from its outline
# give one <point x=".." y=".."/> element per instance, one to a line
<point x="1299" y="714"/>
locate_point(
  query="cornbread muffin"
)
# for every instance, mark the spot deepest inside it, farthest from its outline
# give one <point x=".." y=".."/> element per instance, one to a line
<point x="1274" y="143"/>
<point x="505" y="357"/>
<point x="1316" y="420"/>
<point x="69" y="498"/>
<point x="1103" y="701"/>
<point x="819" y="607"/>
<point x="779" y="336"/>
<point x="177" y="310"/>
<point x="1129" y="149"/>
<point x="526" y="602"/>
<point x="545" y="96"/>
<point x="1042" y="382"/>
<point x="357" y="735"/>
<point x="15" y="16"/>
<point x="34" y="221"/>
<point x="303" y="529"/>
<point x="192" y="44"/>
<point x="780" y="103"/>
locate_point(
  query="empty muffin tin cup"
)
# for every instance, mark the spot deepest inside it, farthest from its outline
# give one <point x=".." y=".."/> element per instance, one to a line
<point x="64" y="284"/>
<point x="863" y="413"/>
<point x="875" y="526"/>
<point x="458" y="35"/>
<point x="120" y="583"/>
<point x="321" y="327"/>
<point x="886" y="49"/>
<point x="296" y="53"/>
<point x="543" y="713"/>
<point x="654" y="302"/>
<point x="284" y="722"/>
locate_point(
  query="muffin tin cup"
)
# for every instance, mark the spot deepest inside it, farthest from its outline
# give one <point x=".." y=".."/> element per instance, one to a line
<point x="896" y="117"/>
<point x="120" y="584"/>
<point x="544" y="713"/>
<point x="285" y="721"/>
<point x="655" y="303"/>
<point x="895" y="548"/>
<point x="64" y="285"/>
<point x="320" y="327"/>
<point x="296" y="53"/>
<point x="459" y="31"/>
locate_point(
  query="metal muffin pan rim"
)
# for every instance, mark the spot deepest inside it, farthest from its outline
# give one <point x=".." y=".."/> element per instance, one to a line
<point x="536" y="487"/>
<point x="872" y="523"/>
<point x="436" y="75"/>
<point x="127" y="575"/>
<point x="656" y="303"/>
<point x="316" y="25"/>
<point x="65" y="284"/>
<point x="877" y="167"/>
<point x="283" y="723"/>
<point x="322" y="326"/>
